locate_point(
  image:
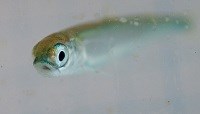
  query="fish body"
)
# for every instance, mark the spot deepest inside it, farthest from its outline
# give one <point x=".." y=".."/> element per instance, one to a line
<point x="78" y="48"/>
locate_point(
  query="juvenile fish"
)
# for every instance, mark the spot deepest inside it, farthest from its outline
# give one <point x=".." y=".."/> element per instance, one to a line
<point x="78" y="48"/>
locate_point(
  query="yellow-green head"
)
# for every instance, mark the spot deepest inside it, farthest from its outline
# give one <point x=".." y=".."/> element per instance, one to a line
<point x="51" y="54"/>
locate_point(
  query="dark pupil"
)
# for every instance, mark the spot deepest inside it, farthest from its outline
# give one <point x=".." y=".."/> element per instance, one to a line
<point x="61" y="55"/>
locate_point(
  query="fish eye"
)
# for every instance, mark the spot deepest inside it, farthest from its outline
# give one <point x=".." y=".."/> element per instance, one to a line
<point x="61" y="55"/>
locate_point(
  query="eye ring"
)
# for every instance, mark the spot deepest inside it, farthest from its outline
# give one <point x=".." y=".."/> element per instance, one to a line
<point x="61" y="55"/>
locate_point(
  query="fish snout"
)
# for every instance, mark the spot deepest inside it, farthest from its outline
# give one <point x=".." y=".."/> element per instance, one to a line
<point x="45" y="68"/>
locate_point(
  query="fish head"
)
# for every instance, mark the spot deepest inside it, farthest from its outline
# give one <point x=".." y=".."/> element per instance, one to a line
<point x="51" y="54"/>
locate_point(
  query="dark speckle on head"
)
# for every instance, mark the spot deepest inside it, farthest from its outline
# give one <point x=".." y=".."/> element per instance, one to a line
<point x="46" y="68"/>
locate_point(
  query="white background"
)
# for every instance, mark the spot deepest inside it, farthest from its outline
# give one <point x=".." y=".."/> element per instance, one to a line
<point x="161" y="78"/>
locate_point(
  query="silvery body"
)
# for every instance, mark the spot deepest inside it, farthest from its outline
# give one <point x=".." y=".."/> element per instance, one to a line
<point x="88" y="46"/>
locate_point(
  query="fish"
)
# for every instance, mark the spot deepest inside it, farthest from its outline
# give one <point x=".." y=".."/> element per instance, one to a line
<point x="88" y="46"/>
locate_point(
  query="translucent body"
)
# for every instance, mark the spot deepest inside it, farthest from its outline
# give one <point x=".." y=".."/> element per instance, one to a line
<point x="90" y="45"/>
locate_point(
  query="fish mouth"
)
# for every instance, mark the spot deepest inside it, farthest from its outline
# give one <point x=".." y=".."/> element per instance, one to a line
<point x="45" y="68"/>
